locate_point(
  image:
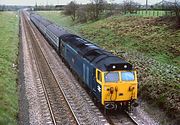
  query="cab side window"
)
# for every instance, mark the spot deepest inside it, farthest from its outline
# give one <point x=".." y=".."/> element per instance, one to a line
<point x="99" y="75"/>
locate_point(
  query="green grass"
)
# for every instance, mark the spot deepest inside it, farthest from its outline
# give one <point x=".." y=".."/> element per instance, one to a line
<point x="150" y="43"/>
<point x="8" y="75"/>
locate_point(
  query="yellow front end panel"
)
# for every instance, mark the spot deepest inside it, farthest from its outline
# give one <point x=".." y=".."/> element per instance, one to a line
<point x="119" y="92"/>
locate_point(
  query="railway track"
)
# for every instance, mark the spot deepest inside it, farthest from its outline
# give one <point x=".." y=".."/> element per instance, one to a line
<point x="66" y="106"/>
<point x="124" y="118"/>
<point x="59" y="107"/>
<point x="135" y="119"/>
<point x="120" y="118"/>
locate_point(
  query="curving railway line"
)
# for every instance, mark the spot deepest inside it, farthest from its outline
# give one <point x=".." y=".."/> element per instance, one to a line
<point x="59" y="107"/>
<point x="60" y="110"/>
<point x="66" y="106"/>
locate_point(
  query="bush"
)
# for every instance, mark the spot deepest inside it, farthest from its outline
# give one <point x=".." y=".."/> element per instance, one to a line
<point x="81" y="15"/>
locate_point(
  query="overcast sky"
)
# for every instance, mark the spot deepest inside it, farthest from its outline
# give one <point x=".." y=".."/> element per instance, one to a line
<point x="54" y="2"/>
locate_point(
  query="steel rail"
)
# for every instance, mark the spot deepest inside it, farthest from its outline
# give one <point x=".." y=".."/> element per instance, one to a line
<point x="131" y="117"/>
<point x="54" y="121"/>
<point x="42" y="82"/>
<point x="123" y="117"/>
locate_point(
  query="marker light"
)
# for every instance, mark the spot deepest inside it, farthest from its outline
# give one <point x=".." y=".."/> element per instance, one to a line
<point x="114" y="67"/>
<point x="125" y="66"/>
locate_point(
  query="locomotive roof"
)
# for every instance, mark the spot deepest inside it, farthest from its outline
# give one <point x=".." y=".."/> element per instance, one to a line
<point x="106" y="61"/>
<point x="112" y="63"/>
<point x="100" y="58"/>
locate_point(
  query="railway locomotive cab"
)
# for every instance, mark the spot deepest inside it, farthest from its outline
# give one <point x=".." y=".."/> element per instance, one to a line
<point x="112" y="80"/>
<point x="118" y="83"/>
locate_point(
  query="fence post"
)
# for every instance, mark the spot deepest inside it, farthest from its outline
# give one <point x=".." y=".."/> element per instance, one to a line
<point x="149" y="12"/>
<point x="153" y="12"/>
<point x="166" y="13"/>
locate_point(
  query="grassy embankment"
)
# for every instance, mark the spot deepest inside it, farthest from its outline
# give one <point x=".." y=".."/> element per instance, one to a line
<point x="151" y="44"/>
<point x="8" y="75"/>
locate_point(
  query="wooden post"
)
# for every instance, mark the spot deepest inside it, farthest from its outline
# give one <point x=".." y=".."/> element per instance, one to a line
<point x="153" y="12"/>
<point x="146" y="6"/>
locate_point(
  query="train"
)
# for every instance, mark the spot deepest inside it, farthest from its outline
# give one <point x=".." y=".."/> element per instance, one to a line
<point x="111" y="79"/>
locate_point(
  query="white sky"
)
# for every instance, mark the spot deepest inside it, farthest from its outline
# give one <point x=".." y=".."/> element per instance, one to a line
<point x="54" y="2"/>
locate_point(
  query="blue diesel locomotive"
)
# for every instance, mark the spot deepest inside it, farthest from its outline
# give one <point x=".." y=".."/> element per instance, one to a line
<point x="111" y="79"/>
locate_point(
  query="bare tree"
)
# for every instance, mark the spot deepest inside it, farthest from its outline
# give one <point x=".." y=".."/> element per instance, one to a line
<point x="177" y="11"/>
<point x="130" y="6"/>
<point x="71" y="10"/>
<point x="2" y="7"/>
<point x="82" y="14"/>
<point x="96" y="7"/>
<point x="111" y="6"/>
<point x="90" y="11"/>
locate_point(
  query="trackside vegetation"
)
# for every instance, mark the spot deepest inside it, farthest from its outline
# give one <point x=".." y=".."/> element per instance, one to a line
<point x="152" y="44"/>
<point x="8" y="70"/>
